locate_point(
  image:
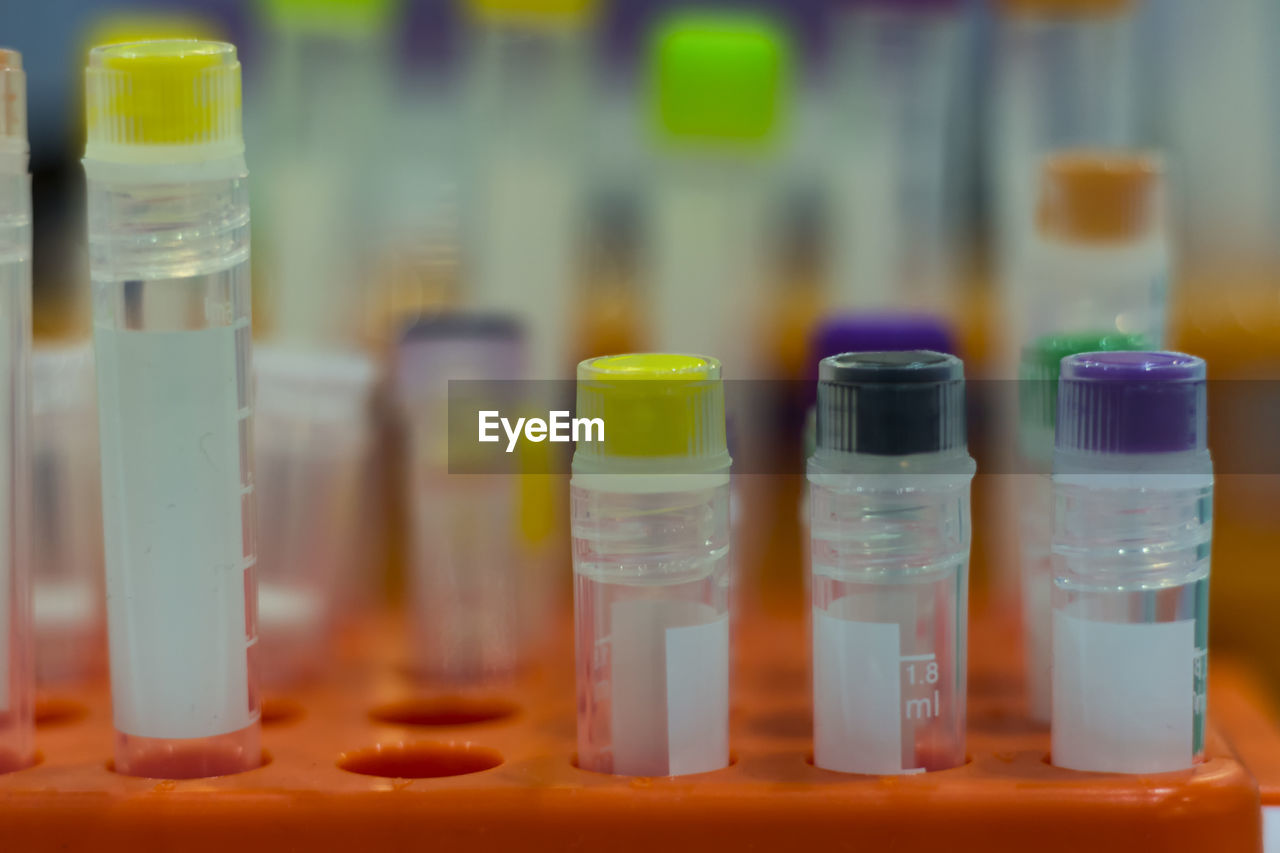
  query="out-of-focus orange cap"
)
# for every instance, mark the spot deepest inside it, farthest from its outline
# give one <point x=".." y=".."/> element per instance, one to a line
<point x="1099" y="196"/>
<point x="1065" y="8"/>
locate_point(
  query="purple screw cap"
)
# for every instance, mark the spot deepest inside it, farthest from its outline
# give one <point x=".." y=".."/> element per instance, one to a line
<point x="1132" y="402"/>
<point x="437" y="348"/>
<point x="879" y="333"/>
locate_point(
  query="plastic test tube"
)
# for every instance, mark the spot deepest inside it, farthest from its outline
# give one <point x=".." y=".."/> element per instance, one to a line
<point x="527" y="98"/>
<point x="1038" y="411"/>
<point x="169" y="259"/>
<point x="650" y="520"/>
<point x="311" y="443"/>
<point x="1101" y="258"/>
<point x="467" y="575"/>
<point x="1133" y="516"/>
<point x="890" y="561"/>
<point x="66" y="507"/>
<point x="896" y="65"/>
<point x="17" y="674"/>
<point x="719" y="89"/>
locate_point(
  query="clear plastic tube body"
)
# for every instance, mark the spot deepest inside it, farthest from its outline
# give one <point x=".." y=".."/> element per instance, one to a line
<point x="1130" y="612"/>
<point x="527" y="98"/>
<point x="169" y="260"/>
<point x="1059" y="83"/>
<point x="17" y="672"/>
<point x="890" y="580"/>
<point x="311" y="442"/>
<point x="651" y="600"/>
<point x="66" y="555"/>
<point x="894" y="72"/>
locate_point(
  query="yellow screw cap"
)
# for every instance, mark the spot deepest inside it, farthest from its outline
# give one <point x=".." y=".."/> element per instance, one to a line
<point x="159" y="100"/>
<point x="662" y="413"/>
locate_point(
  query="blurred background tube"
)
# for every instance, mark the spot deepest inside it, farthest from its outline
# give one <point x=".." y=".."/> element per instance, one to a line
<point x="320" y="120"/>
<point x="1063" y="78"/>
<point x="66" y="507"/>
<point x="718" y="87"/>
<point x="312" y="440"/>
<point x="527" y="81"/>
<point x="894" y="84"/>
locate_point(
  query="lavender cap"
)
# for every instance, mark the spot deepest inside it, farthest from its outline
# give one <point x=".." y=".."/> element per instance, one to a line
<point x="1132" y="402"/>
<point x="879" y="333"/>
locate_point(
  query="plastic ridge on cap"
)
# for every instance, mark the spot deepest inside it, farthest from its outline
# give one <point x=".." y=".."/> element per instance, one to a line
<point x="665" y="409"/>
<point x="719" y="78"/>
<point x="891" y="403"/>
<point x="1132" y="402"/>
<point x="170" y="93"/>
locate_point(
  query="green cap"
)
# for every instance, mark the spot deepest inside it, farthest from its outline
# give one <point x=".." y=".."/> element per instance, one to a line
<point x="719" y="77"/>
<point x="1042" y="360"/>
<point x="332" y="17"/>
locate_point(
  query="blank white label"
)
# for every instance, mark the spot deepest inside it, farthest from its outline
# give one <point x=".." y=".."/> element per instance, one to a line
<point x="670" y="697"/>
<point x="857" y="694"/>
<point x="175" y="550"/>
<point x="1122" y="695"/>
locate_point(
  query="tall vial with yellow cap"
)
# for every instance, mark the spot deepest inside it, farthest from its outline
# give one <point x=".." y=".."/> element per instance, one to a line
<point x="169" y="261"/>
<point x="650" y="510"/>
<point x="17" y="671"/>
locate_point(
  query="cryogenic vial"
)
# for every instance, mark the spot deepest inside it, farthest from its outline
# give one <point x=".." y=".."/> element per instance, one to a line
<point x="650" y="521"/>
<point x="896" y="70"/>
<point x="311" y="443"/>
<point x="889" y="492"/>
<point x="527" y="96"/>
<point x="1100" y="259"/>
<point x="1038" y="410"/>
<point x="168" y="212"/>
<point x="719" y="84"/>
<point x="468" y="575"/>
<point x="17" y="674"/>
<point x="1133" y="516"/>
<point x="66" y="509"/>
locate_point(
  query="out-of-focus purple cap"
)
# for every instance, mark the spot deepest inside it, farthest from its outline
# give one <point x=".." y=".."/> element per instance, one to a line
<point x="1132" y="402"/>
<point x="878" y="333"/>
<point x="435" y="349"/>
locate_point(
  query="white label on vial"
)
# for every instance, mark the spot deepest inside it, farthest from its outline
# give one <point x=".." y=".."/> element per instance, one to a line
<point x="175" y="552"/>
<point x="857" y="694"/>
<point x="1122" y="695"/>
<point x="670" y="680"/>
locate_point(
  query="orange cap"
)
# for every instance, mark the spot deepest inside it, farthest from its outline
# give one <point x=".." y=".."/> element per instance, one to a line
<point x="1065" y="8"/>
<point x="1099" y="197"/>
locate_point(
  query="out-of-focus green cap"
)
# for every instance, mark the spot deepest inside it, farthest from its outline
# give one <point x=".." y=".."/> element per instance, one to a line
<point x="719" y="77"/>
<point x="1042" y="360"/>
<point x="332" y="17"/>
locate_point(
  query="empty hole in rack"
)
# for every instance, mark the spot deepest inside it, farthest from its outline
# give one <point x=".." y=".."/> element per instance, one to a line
<point x="277" y="711"/>
<point x="444" y="711"/>
<point x="790" y="723"/>
<point x="420" y="760"/>
<point x="59" y="711"/>
<point x="808" y="759"/>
